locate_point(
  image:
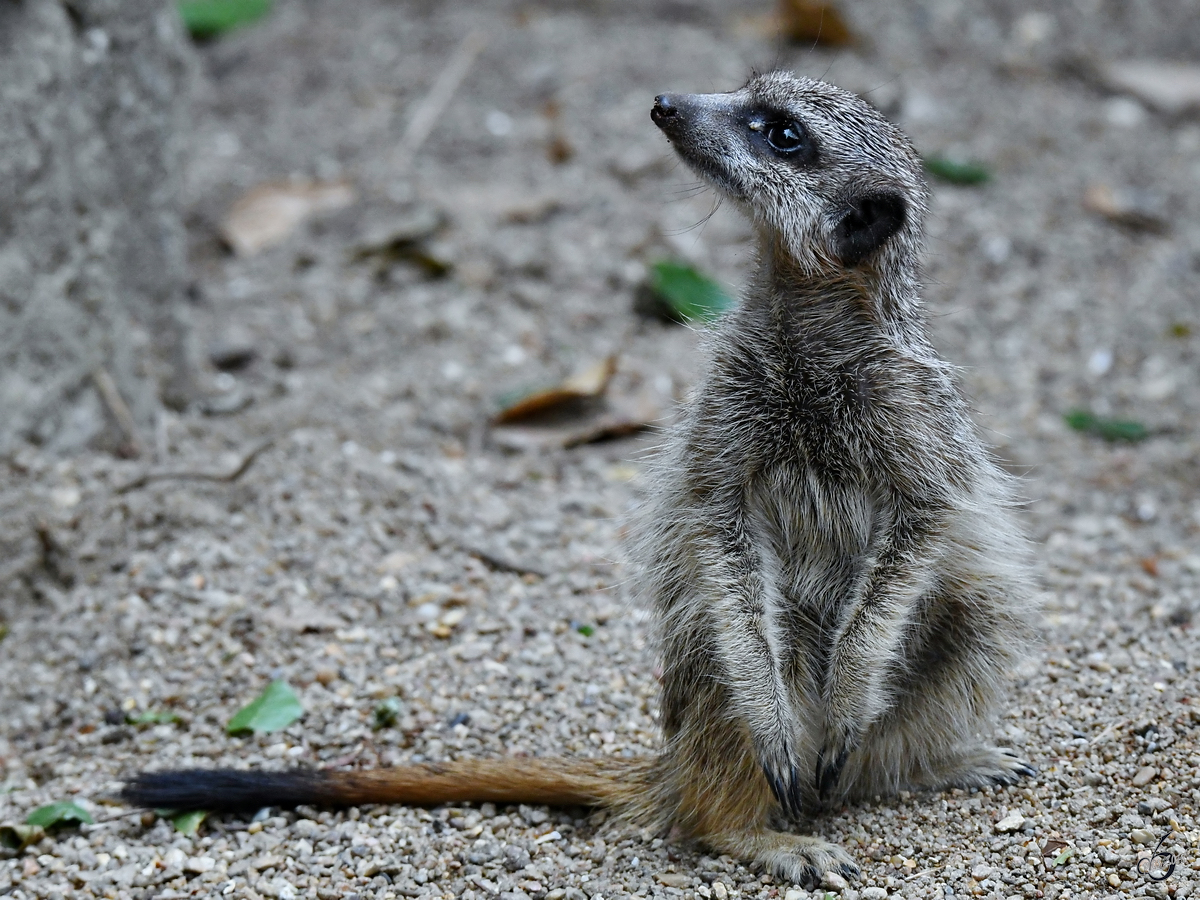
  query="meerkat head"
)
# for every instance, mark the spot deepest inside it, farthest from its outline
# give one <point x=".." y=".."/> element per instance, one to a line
<point x="836" y="184"/>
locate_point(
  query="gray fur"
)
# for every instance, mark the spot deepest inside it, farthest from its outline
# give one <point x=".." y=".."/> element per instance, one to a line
<point x="840" y="584"/>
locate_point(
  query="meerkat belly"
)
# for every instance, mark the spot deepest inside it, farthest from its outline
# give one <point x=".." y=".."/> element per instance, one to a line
<point x="814" y="543"/>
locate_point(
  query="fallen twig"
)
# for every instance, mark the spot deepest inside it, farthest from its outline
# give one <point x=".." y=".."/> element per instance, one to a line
<point x="87" y="828"/>
<point x="186" y="475"/>
<point x="111" y="395"/>
<point x="426" y="112"/>
<point x="499" y="564"/>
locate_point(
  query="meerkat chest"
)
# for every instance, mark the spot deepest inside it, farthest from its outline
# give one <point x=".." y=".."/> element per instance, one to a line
<point x="813" y="413"/>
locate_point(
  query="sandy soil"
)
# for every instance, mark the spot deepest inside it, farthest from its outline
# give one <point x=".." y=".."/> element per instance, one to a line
<point x="386" y="546"/>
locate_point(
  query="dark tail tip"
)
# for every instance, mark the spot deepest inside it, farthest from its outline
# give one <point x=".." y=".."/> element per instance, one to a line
<point x="226" y="789"/>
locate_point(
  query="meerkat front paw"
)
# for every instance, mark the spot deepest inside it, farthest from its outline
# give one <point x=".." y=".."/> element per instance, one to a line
<point x="830" y="761"/>
<point x="782" y="772"/>
<point x="840" y="742"/>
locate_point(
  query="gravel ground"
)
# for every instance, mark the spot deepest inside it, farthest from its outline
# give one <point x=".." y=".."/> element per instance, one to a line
<point x="385" y="546"/>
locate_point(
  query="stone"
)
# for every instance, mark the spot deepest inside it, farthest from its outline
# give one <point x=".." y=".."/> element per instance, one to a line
<point x="834" y="882"/>
<point x="1167" y="86"/>
<point x="232" y="352"/>
<point x="1144" y="776"/>
<point x="1010" y="823"/>
<point x="674" y="879"/>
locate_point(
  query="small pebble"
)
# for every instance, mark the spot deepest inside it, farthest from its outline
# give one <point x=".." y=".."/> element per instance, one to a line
<point x="1144" y="776"/>
<point x="1010" y="823"/>
<point x="834" y="882"/>
<point x="674" y="879"/>
<point x="231" y="354"/>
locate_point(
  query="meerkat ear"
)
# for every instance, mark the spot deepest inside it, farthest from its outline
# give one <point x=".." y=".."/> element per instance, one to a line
<point x="867" y="224"/>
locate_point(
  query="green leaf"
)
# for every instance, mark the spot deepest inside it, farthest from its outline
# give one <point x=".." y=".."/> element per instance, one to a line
<point x="57" y="815"/>
<point x="956" y="171"/>
<point x="585" y="630"/>
<point x="210" y="18"/>
<point x="1063" y="857"/>
<point x="1109" y="429"/>
<point x="188" y="822"/>
<point x="387" y="712"/>
<point x="680" y="293"/>
<point x="152" y="717"/>
<point x="274" y="709"/>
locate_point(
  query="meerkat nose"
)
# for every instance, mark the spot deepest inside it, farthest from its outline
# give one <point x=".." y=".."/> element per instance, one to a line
<point x="664" y="108"/>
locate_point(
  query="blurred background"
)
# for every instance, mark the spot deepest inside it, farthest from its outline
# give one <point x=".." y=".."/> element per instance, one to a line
<point x="335" y="338"/>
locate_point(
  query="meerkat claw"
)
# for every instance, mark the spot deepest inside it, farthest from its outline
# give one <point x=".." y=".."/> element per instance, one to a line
<point x="810" y="878"/>
<point x="1019" y="767"/>
<point x="829" y="772"/>
<point x="990" y="766"/>
<point x="1017" y="770"/>
<point x="786" y="788"/>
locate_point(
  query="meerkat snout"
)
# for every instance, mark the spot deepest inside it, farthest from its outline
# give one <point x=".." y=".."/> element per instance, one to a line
<point x="664" y="108"/>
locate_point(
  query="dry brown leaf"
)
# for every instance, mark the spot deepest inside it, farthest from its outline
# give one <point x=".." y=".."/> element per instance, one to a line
<point x="1053" y="847"/>
<point x="265" y="215"/>
<point x="812" y="21"/>
<point x="586" y="384"/>
<point x="1127" y="207"/>
<point x="1169" y="87"/>
<point x="625" y="416"/>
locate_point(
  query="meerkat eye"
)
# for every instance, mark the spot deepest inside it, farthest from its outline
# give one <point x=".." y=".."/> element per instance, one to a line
<point x="785" y="137"/>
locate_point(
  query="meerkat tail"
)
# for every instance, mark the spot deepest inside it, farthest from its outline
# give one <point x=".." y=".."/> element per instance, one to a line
<point x="555" y="782"/>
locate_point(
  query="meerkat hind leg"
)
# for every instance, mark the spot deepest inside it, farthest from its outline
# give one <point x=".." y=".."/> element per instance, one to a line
<point x="725" y="803"/>
<point x="800" y="859"/>
<point x="982" y="766"/>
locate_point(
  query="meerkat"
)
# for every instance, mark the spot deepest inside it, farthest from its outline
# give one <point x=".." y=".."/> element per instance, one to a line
<point x="839" y="582"/>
